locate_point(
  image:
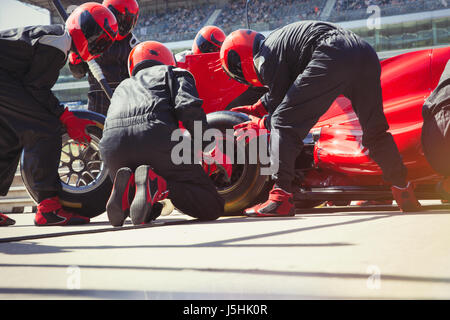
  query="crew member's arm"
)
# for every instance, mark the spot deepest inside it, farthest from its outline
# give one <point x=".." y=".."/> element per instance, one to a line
<point x="188" y="109"/>
<point x="188" y="106"/>
<point x="279" y="83"/>
<point x="42" y="75"/>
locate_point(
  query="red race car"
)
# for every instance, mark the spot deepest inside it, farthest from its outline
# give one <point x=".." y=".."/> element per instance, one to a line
<point x="333" y="164"/>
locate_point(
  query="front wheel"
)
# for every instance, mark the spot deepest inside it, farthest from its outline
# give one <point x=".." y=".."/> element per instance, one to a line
<point x="85" y="184"/>
<point x="247" y="186"/>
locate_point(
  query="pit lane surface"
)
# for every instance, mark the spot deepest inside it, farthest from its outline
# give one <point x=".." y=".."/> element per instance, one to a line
<point x="324" y="253"/>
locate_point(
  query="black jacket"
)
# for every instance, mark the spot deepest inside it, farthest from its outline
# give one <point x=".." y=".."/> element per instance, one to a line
<point x="440" y="97"/>
<point x="34" y="56"/>
<point x="284" y="55"/>
<point x="163" y="95"/>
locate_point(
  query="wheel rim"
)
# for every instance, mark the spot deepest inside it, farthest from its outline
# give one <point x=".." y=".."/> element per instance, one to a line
<point x="81" y="168"/>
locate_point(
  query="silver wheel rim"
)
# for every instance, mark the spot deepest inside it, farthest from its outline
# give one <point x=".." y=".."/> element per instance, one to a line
<point x="81" y="168"/>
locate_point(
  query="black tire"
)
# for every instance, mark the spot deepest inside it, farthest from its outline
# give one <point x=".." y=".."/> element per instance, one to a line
<point x="84" y="191"/>
<point x="247" y="186"/>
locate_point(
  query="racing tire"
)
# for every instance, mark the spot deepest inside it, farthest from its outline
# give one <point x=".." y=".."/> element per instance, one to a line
<point x="85" y="183"/>
<point x="247" y="186"/>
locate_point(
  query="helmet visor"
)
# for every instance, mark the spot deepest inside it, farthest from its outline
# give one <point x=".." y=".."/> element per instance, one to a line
<point x="98" y="40"/>
<point x="99" y="44"/>
<point x="126" y="21"/>
<point x="234" y="67"/>
<point x="206" y="46"/>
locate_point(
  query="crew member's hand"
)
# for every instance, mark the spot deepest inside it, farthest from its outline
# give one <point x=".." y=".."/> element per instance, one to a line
<point x="250" y="129"/>
<point x="76" y="127"/>
<point x="215" y="161"/>
<point x="256" y="109"/>
<point x="74" y="58"/>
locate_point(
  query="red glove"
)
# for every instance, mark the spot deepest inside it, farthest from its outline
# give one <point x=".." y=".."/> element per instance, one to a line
<point x="74" y="58"/>
<point x="250" y="129"/>
<point x="76" y="127"/>
<point x="256" y="110"/>
<point x="215" y="161"/>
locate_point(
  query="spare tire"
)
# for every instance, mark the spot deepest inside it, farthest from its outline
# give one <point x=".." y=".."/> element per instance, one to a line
<point x="85" y="183"/>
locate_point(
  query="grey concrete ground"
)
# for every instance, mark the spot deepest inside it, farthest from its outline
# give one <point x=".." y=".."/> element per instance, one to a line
<point x="333" y="252"/>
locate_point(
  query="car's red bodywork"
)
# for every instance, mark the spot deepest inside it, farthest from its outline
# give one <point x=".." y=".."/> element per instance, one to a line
<point x="407" y="80"/>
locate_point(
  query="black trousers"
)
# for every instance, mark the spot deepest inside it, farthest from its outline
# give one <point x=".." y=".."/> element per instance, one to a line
<point x="28" y="126"/>
<point x="190" y="189"/>
<point x="436" y="141"/>
<point x="341" y="64"/>
<point x="98" y="101"/>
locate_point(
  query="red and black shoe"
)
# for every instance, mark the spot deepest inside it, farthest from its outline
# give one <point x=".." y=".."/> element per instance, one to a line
<point x="150" y="188"/>
<point x="406" y="199"/>
<point x="6" y="221"/>
<point x="118" y="205"/>
<point x="51" y="213"/>
<point x="279" y="204"/>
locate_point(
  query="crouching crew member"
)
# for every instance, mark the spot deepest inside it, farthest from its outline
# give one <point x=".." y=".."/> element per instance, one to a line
<point x="31" y="117"/>
<point x="306" y="66"/>
<point x="136" y="145"/>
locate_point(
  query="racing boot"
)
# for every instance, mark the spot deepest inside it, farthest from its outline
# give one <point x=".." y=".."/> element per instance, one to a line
<point x="6" y="221"/>
<point x="443" y="188"/>
<point x="279" y="204"/>
<point x="405" y="198"/>
<point x="122" y="194"/>
<point x="51" y="213"/>
<point x="150" y="188"/>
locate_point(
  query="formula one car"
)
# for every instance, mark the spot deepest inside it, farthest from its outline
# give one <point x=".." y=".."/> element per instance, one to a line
<point x="333" y="164"/>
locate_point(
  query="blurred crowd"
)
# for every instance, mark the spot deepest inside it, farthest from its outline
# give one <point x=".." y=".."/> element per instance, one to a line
<point x="183" y="23"/>
<point x="268" y="14"/>
<point x="175" y="24"/>
<point x="347" y="10"/>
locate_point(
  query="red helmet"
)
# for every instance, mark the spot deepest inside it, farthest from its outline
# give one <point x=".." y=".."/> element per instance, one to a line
<point x="126" y="12"/>
<point x="147" y="54"/>
<point x="208" y="39"/>
<point x="93" y="29"/>
<point x="236" y="56"/>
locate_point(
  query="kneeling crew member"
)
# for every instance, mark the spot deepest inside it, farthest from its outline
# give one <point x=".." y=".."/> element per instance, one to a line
<point x="136" y="144"/>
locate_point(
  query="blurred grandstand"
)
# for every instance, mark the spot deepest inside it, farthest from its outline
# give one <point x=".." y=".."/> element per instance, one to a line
<point x="402" y="24"/>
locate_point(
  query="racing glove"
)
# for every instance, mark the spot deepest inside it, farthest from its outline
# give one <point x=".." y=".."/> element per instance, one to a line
<point x="250" y="129"/>
<point x="76" y="127"/>
<point x="74" y="58"/>
<point x="216" y="161"/>
<point x="256" y="109"/>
